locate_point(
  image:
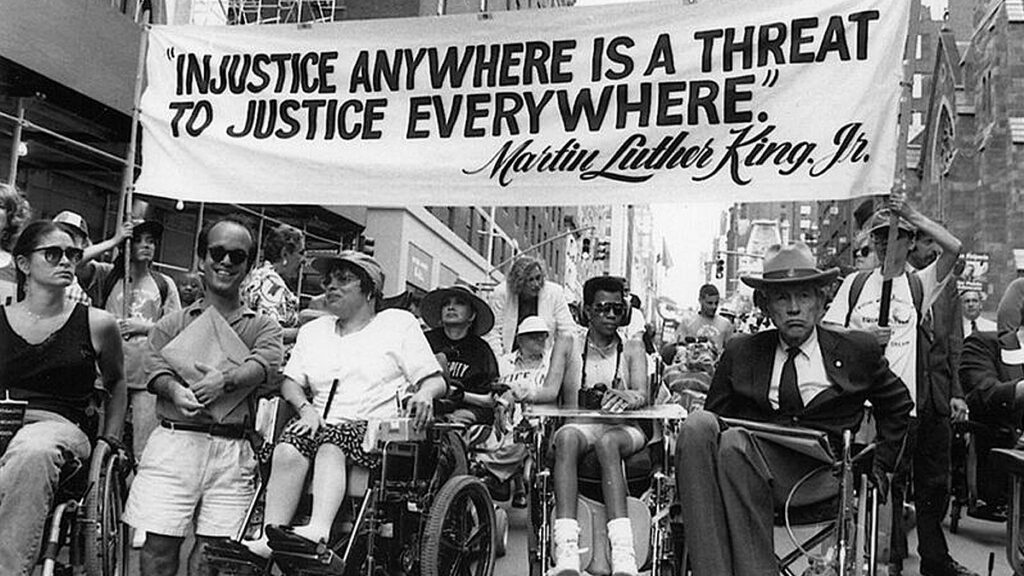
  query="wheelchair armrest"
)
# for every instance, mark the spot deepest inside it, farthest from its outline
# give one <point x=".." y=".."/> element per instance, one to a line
<point x="1012" y="461"/>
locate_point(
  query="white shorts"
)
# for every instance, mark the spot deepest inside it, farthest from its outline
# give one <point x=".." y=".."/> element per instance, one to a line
<point x="591" y="431"/>
<point x="186" y="476"/>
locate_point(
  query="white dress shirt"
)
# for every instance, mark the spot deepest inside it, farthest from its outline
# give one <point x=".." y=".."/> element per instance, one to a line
<point x="984" y="325"/>
<point x="811" y="378"/>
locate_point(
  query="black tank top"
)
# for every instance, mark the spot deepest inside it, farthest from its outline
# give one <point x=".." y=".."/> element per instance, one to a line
<point x="58" y="374"/>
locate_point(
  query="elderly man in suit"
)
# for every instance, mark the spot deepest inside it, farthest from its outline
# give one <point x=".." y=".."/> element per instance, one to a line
<point x="798" y="375"/>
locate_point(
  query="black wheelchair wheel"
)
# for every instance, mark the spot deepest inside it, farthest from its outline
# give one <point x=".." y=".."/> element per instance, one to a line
<point x="105" y="537"/>
<point x="459" y="538"/>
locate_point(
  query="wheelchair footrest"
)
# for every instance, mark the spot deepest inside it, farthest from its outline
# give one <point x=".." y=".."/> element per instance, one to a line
<point x="232" y="558"/>
<point x="298" y="556"/>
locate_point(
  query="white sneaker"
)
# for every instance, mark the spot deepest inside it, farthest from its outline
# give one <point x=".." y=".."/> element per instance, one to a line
<point x="567" y="560"/>
<point x="624" y="561"/>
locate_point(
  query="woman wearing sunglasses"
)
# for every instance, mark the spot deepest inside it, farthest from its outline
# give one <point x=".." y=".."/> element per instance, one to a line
<point x="49" y="354"/>
<point x="602" y="372"/>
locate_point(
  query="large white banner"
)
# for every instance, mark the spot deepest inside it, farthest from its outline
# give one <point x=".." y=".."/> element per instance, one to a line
<point x="644" y="102"/>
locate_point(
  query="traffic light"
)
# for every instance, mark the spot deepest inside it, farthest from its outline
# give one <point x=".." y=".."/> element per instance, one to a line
<point x="585" y="250"/>
<point x="366" y="245"/>
<point x="603" y="248"/>
<point x="720" y="268"/>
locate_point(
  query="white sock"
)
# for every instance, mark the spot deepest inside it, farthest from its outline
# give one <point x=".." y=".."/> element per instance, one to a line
<point x="620" y="532"/>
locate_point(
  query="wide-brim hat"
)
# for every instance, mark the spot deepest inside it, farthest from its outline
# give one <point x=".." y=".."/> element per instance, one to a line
<point x="880" y="219"/>
<point x="361" y="260"/>
<point x="788" y="265"/>
<point x="151" y="227"/>
<point x="433" y="302"/>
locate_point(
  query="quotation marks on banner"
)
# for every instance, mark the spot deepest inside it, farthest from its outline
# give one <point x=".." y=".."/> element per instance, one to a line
<point x="771" y="78"/>
<point x="170" y="53"/>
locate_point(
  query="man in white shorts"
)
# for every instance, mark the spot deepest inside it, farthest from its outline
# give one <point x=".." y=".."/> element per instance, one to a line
<point x="199" y="471"/>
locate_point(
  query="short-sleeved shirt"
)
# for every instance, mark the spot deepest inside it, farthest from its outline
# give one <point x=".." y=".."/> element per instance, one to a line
<point x="145" y="304"/>
<point x="901" y="352"/>
<point x="259" y="333"/>
<point x="265" y="291"/>
<point x="376" y="367"/>
<point x="717" y="329"/>
<point x="471" y="365"/>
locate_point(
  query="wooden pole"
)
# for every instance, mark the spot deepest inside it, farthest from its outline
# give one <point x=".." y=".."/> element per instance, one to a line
<point x="16" y="143"/>
<point x="900" y="178"/>
<point x="128" y="179"/>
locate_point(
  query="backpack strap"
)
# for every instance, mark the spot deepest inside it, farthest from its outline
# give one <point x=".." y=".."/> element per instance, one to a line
<point x="162" y="286"/>
<point x="855" y="289"/>
<point x="916" y="293"/>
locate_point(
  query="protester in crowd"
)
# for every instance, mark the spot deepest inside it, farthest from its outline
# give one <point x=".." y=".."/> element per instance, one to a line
<point x="706" y="322"/>
<point x="457" y="319"/>
<point x="151" y="296"/>
<point x="197" y="473"/>
<point x="14" y="212"/>
<point x="190" y="288"/>
<point x="906" y="340"/>
<point x="49" y="354"/>
<point x="972" y="320"/>
<point x="523" y="371"/>
<point x="864" y="257"/>
<point x="526" y="292"/>
<point x="374" y="358"/>
<point x="1009" y="317"/>
<point x="995" y="396"/>
<point x="601" y="371"/>
<point x="729" y="482"/>
<point x="90" y="274"/>
<point x="265" y="289"/>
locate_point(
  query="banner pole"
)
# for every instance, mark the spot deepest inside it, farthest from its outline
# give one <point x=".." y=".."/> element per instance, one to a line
<point x="900" y="176"/>
<point x="128" y="179"/>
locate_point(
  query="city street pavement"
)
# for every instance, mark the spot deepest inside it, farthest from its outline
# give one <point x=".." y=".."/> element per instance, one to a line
<point x="972" y="546"/>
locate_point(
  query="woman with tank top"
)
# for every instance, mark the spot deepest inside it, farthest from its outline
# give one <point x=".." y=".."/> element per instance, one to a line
<point x="50" y="351"/>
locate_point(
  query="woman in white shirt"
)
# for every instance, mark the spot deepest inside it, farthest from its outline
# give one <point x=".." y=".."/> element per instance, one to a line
<point x="346" y="368"/>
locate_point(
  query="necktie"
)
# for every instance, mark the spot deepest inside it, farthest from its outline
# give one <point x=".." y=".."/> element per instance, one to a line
<point x="974" y="326"/>
<point x="789" y="392"/>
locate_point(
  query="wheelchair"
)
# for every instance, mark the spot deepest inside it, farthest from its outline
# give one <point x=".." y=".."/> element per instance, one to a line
<point x="1011" y="462"/>
<point x="649" y="481"/>
<point x="977" y="486"/>
<point x="420" y="513"/>
<point x="87" y="517"/>
<point x="83" y="531"/>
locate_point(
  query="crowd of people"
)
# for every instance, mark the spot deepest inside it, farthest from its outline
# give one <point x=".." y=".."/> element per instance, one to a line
<point x="186" y="361"/>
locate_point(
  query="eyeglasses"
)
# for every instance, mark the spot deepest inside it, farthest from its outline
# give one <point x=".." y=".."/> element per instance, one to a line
<point x="615" y="308"/>
<point x="53" y="254"/>
<point x="340" y="279"/>
<point x="236" y="257"/>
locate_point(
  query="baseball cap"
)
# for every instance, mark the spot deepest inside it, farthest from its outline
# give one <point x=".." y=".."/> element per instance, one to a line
<point x="363" y="261"/>
<point x="532" y="325"/>
<point x="880" y="219"/>
<point x="74" y="220"/>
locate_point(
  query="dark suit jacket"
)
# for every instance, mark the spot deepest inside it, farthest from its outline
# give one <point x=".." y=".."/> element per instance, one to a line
<point x="856" y="368"/>
<point x="940" y="353"/>
<point x="990" y="384"/>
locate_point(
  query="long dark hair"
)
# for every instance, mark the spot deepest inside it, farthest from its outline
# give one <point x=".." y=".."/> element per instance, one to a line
<point x="27" y="242"/>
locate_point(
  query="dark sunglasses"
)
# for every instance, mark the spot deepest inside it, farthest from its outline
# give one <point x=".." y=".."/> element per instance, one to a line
<point x="862" y="252"/>
<point x="53" y="254"/>
<point x="616" y="308"/>
<point x="236" y="257"/>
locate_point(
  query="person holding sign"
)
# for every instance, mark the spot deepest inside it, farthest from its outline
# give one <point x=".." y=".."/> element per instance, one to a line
<point x="347" y="368"/>
<point x="49" y="354"/>
<point x="907" y="334"/>
<point x="798" y="375"/>
<point x="198" y="469"/>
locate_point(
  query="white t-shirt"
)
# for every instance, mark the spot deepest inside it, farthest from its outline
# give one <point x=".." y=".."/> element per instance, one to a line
<point x="375" y="367"/>
<point x="901" y="352"/>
